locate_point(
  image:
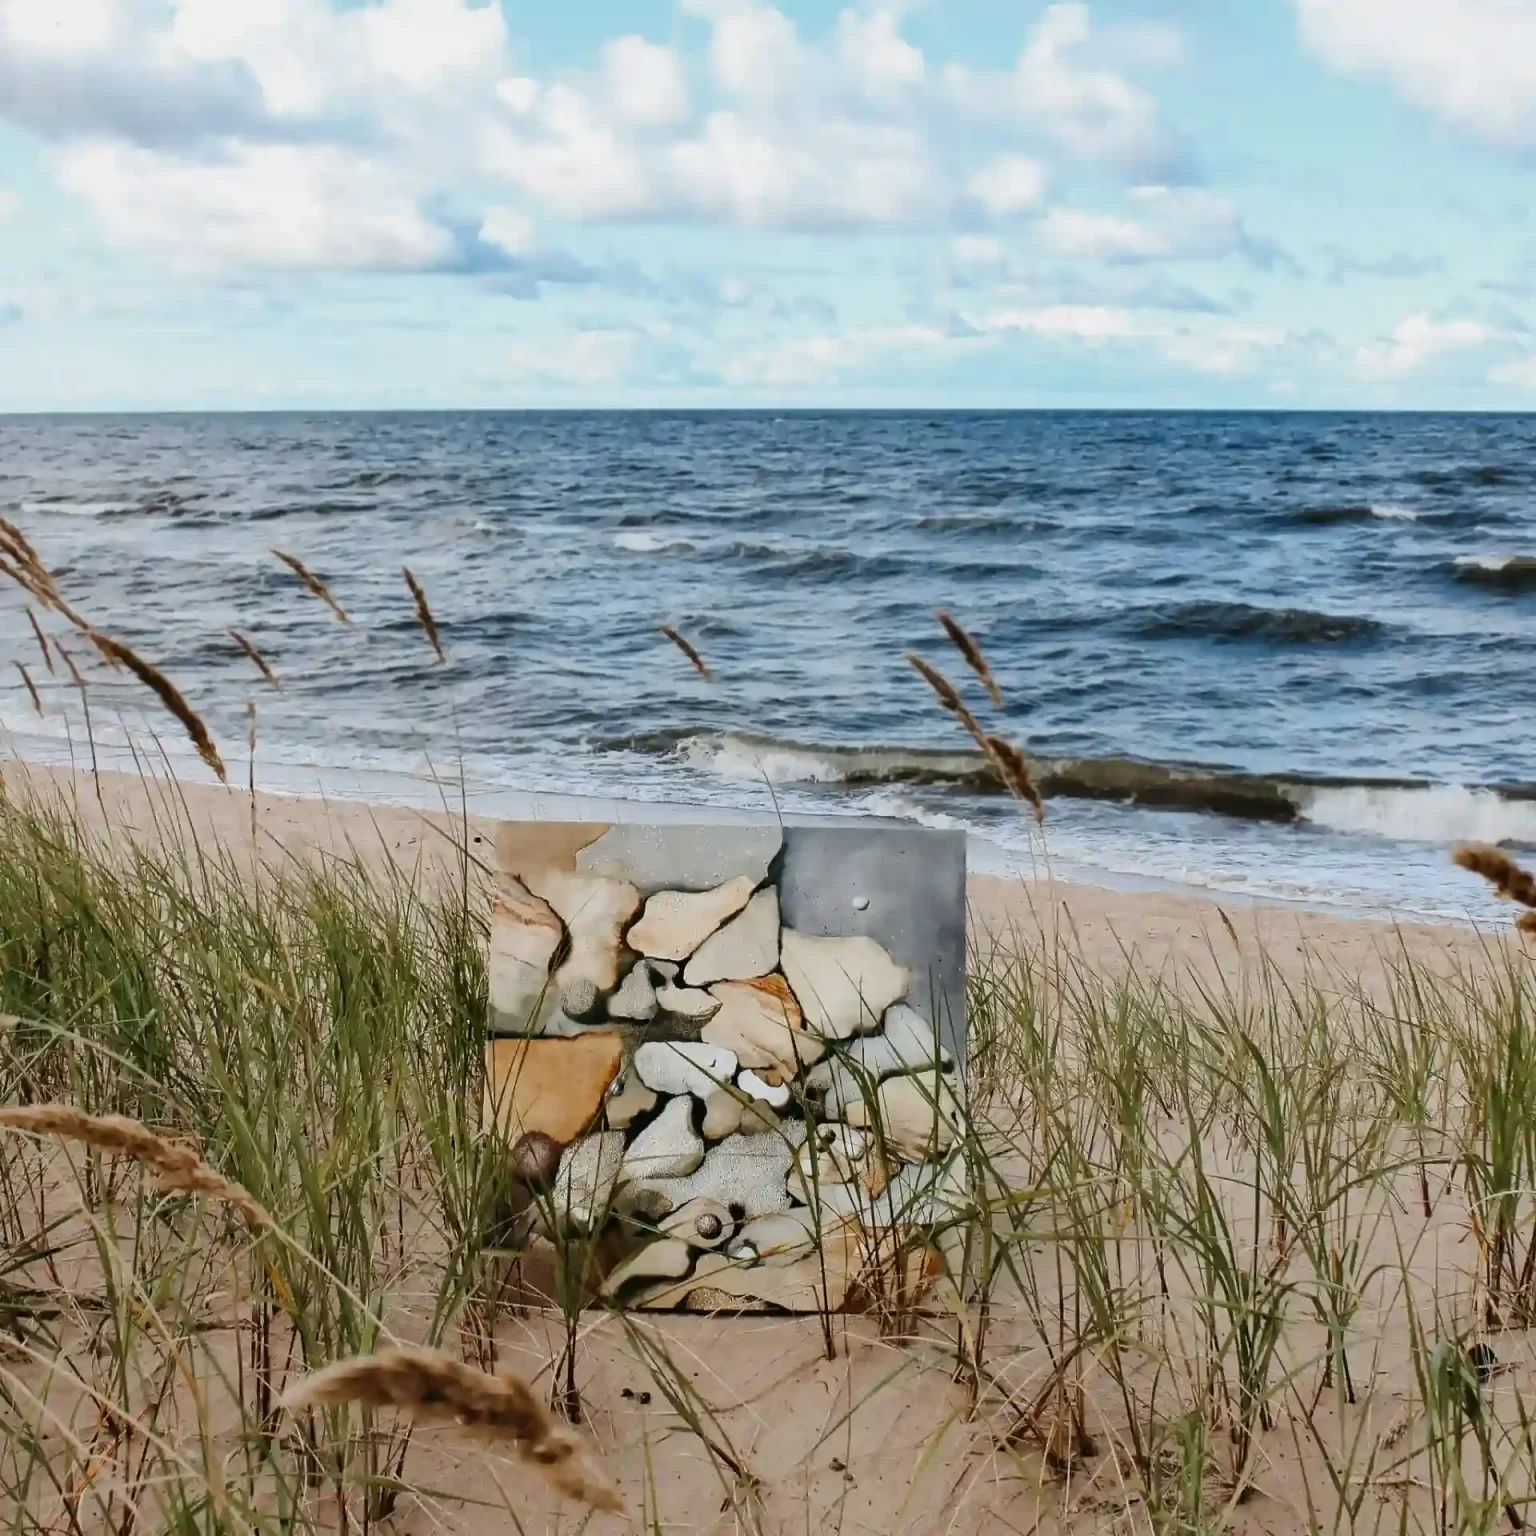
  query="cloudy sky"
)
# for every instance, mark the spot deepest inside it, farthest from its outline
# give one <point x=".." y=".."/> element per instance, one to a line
<point x="329" y="203"/>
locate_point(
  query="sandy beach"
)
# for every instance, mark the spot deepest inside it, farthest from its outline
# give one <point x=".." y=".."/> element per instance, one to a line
<point x="887" y="1434"/>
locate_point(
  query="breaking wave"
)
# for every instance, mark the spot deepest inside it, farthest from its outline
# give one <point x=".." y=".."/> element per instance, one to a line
<point x="1247" y="621"/>
<point x="1401" y="809"/>
<point x="1502" y="573"/>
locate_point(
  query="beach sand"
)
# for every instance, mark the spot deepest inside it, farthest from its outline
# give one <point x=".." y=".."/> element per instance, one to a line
<point x="878" y="1438"/>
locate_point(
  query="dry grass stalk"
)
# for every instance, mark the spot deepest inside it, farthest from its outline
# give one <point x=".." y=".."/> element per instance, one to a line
<point x="32" y="575"/>
<point x="1014" y="767"/>
<point x="950" y="698"/>
<point x="26" y="677"/>
<point x="686" y="647"/>
<point x="314" y="583"/>
<point x="256" y="657"/>
<point x="21" y="546"/>
<point x="424" y="613"/>
<point x="1501" y="871"/>
<point x="169" y="695"/>
<point x="177" y="1167"/>
<point x="972" y="653"/>
<point x="69" y="661"/>
<point x="42" y="639"/>
<point x="431" y="1387"/>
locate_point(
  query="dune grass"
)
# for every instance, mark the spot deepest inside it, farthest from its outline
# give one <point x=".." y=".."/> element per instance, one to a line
<point x="1257" y="1259"/>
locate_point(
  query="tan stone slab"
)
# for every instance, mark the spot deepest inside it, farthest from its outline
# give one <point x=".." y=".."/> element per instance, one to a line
<point x="675" y="923"/>
<point x="553" y="1086"/>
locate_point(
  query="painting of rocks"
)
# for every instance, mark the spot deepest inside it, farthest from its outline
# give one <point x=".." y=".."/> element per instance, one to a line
<point x="734" y="1056"/>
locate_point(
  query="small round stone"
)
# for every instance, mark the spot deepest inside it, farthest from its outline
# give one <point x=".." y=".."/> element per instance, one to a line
<point x="861" y="903"/>
<point x="536" y="1158"/>
<point x="709" y="1226"/>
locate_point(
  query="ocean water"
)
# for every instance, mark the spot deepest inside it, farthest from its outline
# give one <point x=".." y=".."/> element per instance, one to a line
<point x="1280" y="656"/>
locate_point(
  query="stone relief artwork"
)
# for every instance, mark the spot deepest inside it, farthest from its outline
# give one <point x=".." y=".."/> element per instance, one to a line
<point x="737" y="1052"/>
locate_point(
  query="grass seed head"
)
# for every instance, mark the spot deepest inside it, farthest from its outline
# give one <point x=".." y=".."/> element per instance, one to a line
<point x="431" y="1387"/>
<point x="177" y="1167"/>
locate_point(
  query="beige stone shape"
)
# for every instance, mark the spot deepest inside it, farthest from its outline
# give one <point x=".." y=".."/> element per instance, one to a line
<point x="818" y="1282"/>
<point x="675" y="923"/>
<point x="843" y="985"/>
<point x="689" y="1003"/>
<point x="778" y="1240"/>
<point x="626" y="1106"/>
<point x="919" y="1115"/>
<point x="589" y="1170"/>
<point x="668" y="1148"/>
<point x="702" y="1223"/>
<point x="668" y="1258"/>
<point x="553" y="1086"/>
<point x="722" y="1115"/>
<point x="747" y="946"/>
<point x="761" y="1022"/>
<point x="635" y="1001"/>
<point x="595" y="911"/>
<point x="525" y="933"/>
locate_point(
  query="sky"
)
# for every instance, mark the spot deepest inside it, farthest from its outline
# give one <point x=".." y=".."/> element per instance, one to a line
<point x="327" y="204"/>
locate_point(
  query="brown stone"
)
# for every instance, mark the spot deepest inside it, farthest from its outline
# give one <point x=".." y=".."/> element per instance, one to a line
<point x="552" y="1086"/>
<point x="761" y="1022"/>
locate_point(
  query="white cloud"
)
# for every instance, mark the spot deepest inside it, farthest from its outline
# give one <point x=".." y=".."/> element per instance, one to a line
<point x="407" y="118"/>
<point x="510" y="230"/>
<point x="589" y="358"/>
<point x="1471" y="63"/>
<point x="270" y="205"/>
<point x="977" y="252"/>
<point x="1415" y="341"/>
<point x="646" y="84"/>
<point x="1009" y="185"/>
<point x="1091" y="110"/>
<point x="1520" y="372"/>
<point x="58" y="27"/>
<point x="827" y="358"/>
<point x="1075" y="232"/>
<point x="871" y="48"/>
<point x="1092" y="323"/>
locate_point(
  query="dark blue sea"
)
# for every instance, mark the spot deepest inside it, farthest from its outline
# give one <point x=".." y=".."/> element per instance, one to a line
<point x="1281" y="655"/>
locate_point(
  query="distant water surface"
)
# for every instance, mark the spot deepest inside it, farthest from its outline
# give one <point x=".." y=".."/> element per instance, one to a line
<point x="1274" y="655"/>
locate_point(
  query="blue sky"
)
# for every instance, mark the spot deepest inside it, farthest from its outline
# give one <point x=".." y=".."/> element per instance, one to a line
<point x="398" y="203"/>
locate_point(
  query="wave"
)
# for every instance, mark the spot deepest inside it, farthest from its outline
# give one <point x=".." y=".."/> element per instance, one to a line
<point x="643" y="542"/>
<point x="1330" y="514"/>
<point x="1248" y="621"/>
<point x="1501" y="573"/>
<point x="63" y="506"/>
<point x="1450" y="813"/>
<point x="1405" y="810"/>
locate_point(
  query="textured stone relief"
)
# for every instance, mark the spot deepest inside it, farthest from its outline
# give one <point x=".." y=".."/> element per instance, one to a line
<point x="735" y="1050"/>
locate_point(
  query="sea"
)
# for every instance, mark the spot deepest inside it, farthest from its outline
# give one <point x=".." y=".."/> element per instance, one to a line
<point x="1275" y="657"/>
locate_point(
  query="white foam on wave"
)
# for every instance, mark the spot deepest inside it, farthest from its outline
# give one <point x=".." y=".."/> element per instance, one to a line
<point x="731" y="758"/>
<point x="1392" y="513"/>
<point x="643" y="542"/>
<point x="1487" y="562"/>
<point x="75" y="508"/>
<point x="1449" y="814"/>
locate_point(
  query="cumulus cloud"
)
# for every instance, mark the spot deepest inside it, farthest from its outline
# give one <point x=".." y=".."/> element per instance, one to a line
<point x="1058" y="90"/>
<point x="1472" y="63"/>
<point x="1008" y="185"/>
<point x="372" y="135"/>
<point x="1416" y="340"/>
<point x="263" y="205"/>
